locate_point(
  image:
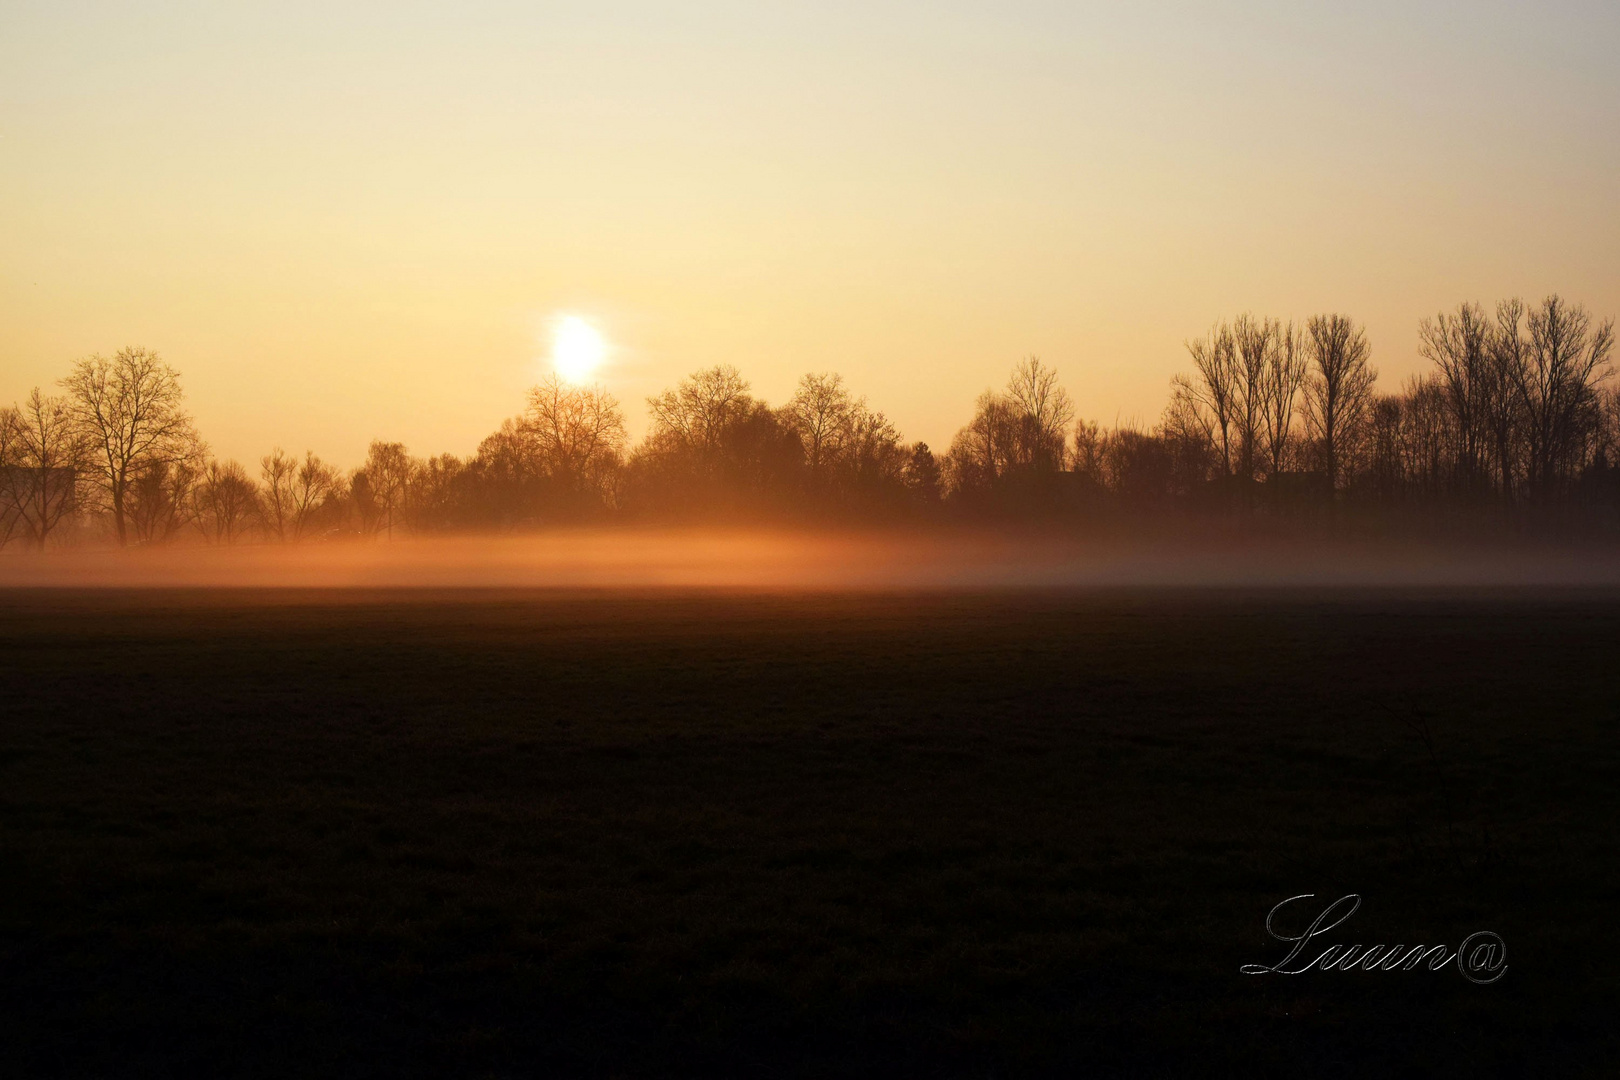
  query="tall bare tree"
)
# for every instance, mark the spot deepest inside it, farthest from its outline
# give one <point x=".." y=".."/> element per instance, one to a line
<point x="129" y="411"/>
<point x="1284" y="378"/>
<point x="576" y="434"/>
<point x="385" y="474"/>
<point x="1254" y="341"/>
<point x="1042" y="413"/>
<point x="1210" y="401"/>
<point x="276" y="475"/>
<point x="819" y="414"/>
<point x="1338" y="390"/>
<point x="1556" y="380"/>
<point x="292" y="492"/>
<point x="48" y="458"/>
<point x="11" y="475"/>
<point x="1459" y="346"/>
<point x="311" y="484"/>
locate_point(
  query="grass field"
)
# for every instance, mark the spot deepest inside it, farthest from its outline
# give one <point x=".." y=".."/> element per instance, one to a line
<point x="642" y="834"/>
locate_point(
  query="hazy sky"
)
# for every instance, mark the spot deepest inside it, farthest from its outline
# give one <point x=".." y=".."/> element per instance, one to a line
<point x="348" y="220"/>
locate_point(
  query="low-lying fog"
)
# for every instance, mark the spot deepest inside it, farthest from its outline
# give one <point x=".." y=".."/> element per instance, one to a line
<point x="736" y="558"/>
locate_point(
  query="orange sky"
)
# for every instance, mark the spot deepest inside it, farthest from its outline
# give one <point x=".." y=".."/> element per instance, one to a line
<point x="347" y="221"/>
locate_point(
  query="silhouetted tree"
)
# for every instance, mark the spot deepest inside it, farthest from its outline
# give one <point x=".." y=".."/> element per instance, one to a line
<point x="1501" y="415"/>
<point x="980" y="451"/>
<point x="276" y="473"/>
<point x="11" y="475"/>
<point x="1459" y="346"/>
<point x="435" y="496"/>
<point x="698" y="414"/>
<point x="1338" y="390"/>
<point x="1282" y="381"/>
<point x="128" y="411"/>
<point x="1513" y="406"/>
<point x="293" y="492"/>
<point x="922" y="474"/>
<point x="314" y="485"/>
<point x="382" y="483"/>
<point x="161" y="498"/>
<point x="851" y="452"/>
<point x="870" y="464"/>
<point x="819" y="413"/>
<point x="1020" y="435"/>
<point x="227" y="499"/>
<point x="1087" y="456"/>
<point x="1386" y="446"/>
<point x="1555" y="379"/>
<point x="1209" y="403"/>
<point x="1041" y="414"/>
<point x="576" y="438"/>
<point x="1254" y="345"/>
<point x="505" y="483"/>
<point x="44" y="464"/>
<point x="1141" y="467"/>
<point x="714" y="449"/>
<point x="1429" y="438"/>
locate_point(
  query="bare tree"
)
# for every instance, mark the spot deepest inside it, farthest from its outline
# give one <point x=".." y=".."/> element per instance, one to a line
<point x="1023" y="431"/>
<point x="311" y="484"/>
<point x="504" y="477"/>
<point x="162" y="497"/>
<point x="869" y="451"/>
<point x="1338" y="390"/>
<point x="713" y="448"/>
<point x="982" y="451"/>
<point x="1087" y="457"/>
<point x="577" y="435"/>
<point x="12" y="476"/>
<point x="226" y="499"/>
<point x="48" y="457"/>
<point x="1504" y="414"/>
<point x="1428" y="438"/>
<point x="1042" y="413"/>
<point x="128" y="410"/>
<point x="1387" y="451"/>
<point x="1459" y="346"/>
<point x="1253" y="343"/>
<point x="276" y="474"/>
<point x="433" y="499"/>
<point x="698" y="411"/>
<point x="1210" y="402"/>
<point x="819" y="414"/>
<point x="1556" y="379"/>
<point x="386" y="474"/>
<point x="293" y="491"/>
<point x="1284" y="378"/>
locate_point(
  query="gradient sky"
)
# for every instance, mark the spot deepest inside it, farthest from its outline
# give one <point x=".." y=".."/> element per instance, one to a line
<point x="352" y="220"/>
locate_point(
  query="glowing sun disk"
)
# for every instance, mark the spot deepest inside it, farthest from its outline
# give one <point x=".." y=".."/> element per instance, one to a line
<point x="576" y="349"/>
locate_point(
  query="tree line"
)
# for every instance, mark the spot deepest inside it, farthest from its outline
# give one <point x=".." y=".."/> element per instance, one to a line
<point x="1513" y="416"/>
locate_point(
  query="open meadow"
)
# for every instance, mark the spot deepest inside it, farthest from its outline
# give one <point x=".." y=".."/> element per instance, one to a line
<point x="724" y="832"/>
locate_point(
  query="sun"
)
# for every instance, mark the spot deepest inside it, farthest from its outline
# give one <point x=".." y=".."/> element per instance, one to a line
<point x="577" y="348"/>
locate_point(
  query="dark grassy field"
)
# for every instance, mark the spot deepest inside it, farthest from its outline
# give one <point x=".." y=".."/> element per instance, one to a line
<point x="283" y="834"/>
